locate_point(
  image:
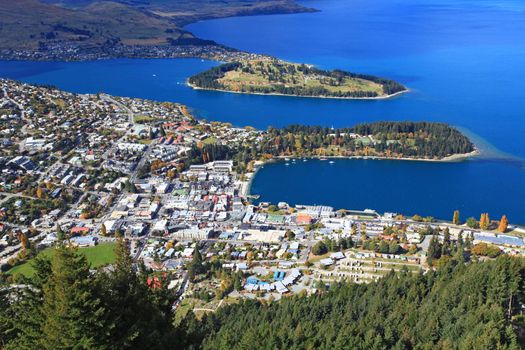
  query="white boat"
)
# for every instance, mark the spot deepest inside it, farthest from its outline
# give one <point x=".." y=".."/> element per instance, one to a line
<point x="287" y="164"/>
<point x="287" y="159"/>
<point x="331" y="162"/>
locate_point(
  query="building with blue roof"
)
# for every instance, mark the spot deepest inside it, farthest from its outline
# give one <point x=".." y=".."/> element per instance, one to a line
<point x="500" y="239"/>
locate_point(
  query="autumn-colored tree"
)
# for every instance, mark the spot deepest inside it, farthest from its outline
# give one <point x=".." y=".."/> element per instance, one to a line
<point x="250" y="165"/>
<point x="171" y="174"/>
<point x="39" y="193"/>
<point x="503" y="224"/>
<point x="103" y="230"/>
<point x="484" y="249"/>
<point x="484" y="221"/>
<point x="455" y="220"/>
<point x="24" y="241"/>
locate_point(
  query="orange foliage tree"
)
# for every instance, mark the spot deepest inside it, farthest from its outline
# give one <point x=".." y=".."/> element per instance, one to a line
<point x="503" y="224"/>
<point x="484" y="221"/>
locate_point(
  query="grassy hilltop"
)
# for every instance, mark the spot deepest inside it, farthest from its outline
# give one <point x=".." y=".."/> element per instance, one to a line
<point x="274" y="76"/>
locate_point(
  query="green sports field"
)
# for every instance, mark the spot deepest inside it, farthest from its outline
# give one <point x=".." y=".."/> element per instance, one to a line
<point x="99" y="255"/>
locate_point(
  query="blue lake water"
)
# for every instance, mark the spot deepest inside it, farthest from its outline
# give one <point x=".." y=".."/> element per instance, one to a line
<point x="410" y="187"/>
<point x="464" y="61"/>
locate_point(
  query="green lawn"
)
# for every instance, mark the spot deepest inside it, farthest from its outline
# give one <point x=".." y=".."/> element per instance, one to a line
<point x="260" y="71"/>
<point x="143" y="119"/>
<point x="99" y="255"/>
<point x="210" y="140"/>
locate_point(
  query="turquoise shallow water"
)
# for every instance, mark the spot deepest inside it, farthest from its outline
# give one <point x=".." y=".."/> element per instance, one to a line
<point x="463" y="61"/>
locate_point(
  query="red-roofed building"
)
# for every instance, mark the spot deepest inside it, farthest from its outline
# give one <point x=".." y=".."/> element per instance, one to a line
<point x="303" y="219"/>
<point x="80" y="230"/>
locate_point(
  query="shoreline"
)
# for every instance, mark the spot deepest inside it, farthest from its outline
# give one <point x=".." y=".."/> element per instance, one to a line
<point x="306" y="96"/>
<point x="247" y="185"/>
<point x="448" y="159"/>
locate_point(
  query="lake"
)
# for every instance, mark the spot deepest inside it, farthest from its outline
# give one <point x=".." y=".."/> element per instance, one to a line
<point x="463" y="61"/>
<point x="408" y="187"/>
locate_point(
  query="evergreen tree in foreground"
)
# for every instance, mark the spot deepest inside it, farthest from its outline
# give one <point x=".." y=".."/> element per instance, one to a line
<point x="135" y="317"/>
<point x="72" y="310"/>
<point x="195" y="267"/>
<point x="458" y="306"/>
<point x="67" y="306"/>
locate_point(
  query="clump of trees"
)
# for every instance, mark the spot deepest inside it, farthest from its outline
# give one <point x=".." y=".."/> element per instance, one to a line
<point x="484" y="249"/>
<point x="392" y="139"/>
<point x="484" y="221"/>
<point x="209" y="79"/>
<point x="441" y="251"/>
<point x="407" y="139"/>
<point x="319" y="248"/>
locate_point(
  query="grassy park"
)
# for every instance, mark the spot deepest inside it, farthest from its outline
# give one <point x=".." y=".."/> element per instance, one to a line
<point x="98" y="255"/>
<point x="273" y="76"/>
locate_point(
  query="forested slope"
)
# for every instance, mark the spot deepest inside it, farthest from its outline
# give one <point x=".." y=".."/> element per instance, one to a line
<point x="459" y="307"/>
<point x="67" y="306"/>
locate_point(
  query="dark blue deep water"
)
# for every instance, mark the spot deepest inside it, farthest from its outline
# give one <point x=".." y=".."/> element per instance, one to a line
<point x="464" y="61"/>
<point x="409" y="187"/>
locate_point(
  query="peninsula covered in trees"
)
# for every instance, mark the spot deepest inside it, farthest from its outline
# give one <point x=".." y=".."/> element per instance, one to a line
<point x="391" y="140"/>
<point x="274" y="76"/>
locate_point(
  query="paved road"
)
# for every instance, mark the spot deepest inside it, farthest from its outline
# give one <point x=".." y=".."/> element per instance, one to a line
<point x="8" y="196"/>
<point x="21" y="108"/>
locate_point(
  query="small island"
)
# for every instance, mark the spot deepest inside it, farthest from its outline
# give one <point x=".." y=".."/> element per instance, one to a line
<point x="276" y="77"/>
